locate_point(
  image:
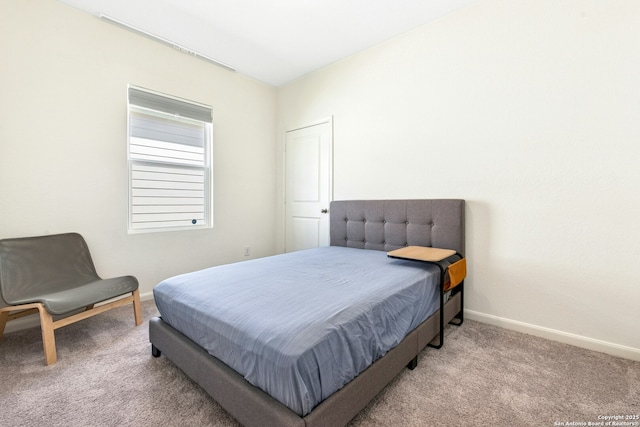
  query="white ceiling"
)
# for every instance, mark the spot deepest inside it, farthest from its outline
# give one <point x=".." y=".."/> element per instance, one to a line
<point x="275" y="41"/>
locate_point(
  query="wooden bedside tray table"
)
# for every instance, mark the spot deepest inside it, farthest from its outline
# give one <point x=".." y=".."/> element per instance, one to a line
<point x="452" y="265"/>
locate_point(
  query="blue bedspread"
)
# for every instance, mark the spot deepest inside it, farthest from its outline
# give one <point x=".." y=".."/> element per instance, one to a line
<point x="303" y="324"/>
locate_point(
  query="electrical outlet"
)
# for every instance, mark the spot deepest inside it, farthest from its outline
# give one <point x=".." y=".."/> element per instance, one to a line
<point x="247" y="251"/>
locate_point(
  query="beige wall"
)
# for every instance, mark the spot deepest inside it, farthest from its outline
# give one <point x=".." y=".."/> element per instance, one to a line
<point x="530" y="111"/>
<point x="63" y="160"/>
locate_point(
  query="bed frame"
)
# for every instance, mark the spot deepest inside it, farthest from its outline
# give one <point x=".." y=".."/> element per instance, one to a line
<point x="373" y="224"/>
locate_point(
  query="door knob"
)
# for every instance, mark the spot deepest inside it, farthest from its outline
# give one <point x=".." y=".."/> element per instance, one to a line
<point x="324" y="210"/>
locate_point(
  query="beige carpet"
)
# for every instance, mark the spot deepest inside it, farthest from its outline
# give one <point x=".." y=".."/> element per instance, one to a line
<point x="483" y="376"/>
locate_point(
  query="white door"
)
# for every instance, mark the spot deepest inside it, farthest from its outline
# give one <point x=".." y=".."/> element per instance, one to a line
<point x="308" y="187"/>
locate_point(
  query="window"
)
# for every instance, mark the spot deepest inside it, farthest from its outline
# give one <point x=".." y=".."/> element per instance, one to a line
<point x="169" y="162"/>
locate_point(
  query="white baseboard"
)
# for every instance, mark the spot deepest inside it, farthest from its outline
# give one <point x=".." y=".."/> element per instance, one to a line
<point x="146" y="296"/>
<point x="555" y="335"/>
<point x="26" y="322"/>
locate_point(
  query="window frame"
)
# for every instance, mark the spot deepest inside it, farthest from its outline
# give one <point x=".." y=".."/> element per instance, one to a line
<point x="178" y="109"/>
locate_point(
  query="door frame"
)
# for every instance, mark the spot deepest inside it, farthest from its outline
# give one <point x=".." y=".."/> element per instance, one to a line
<point x="328" y="120"/>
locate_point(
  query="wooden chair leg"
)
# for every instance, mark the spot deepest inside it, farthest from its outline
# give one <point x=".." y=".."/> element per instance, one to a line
<point x="48" y="336"/>
<point x="137" y="308"/>
<point x="4" y="318"/>
<point x="48" y="326"/>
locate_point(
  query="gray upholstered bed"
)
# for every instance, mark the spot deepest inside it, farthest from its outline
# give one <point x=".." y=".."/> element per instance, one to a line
<point x="373" y="225"/>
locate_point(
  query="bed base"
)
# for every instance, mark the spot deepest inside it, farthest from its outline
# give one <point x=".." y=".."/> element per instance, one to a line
<point x="253" y="407"/>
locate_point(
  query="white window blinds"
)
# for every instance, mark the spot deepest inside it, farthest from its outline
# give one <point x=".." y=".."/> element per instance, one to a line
<point x="169" y="167"/>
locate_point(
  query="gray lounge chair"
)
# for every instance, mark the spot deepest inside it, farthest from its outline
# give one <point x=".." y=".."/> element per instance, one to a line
<point x="54" y="275"/>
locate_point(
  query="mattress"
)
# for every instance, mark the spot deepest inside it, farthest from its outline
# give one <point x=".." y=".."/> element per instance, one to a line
<point x="301" y="325"/>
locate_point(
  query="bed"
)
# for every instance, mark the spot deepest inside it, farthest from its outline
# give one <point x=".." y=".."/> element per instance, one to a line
<point x="345" y="320"/>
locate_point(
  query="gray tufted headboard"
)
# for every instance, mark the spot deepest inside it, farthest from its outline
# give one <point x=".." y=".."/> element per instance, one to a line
<point x="386" y="225"/>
